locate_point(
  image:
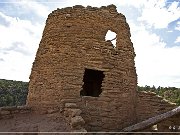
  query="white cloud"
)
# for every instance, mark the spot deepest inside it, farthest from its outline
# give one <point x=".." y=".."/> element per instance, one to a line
<point x="154" y="13"/>
<point x="170" y="31"/>
<point x="33" y="7"/>
<point x="177" y="40"/>
<point x="15" y="66"/>
<point x="155" y="64"/>
<point x="19" y="31"/>
<point x="178" y="26"/>
<point x="18" y="44"/>
<point x="133" y="3"/>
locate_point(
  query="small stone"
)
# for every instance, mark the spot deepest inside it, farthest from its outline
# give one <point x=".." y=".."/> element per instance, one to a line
<point x="24" y="111"/>
<point x="111" y="6"/>
<point x="15" y="111"/>
<point x="23" y="108"/>
<point x="75" y="112"/>
<point x="78" y="6"/>
<point x="52" y="111"/>
<point x="66" y="113"/>
<point x="8" y="108"/>
<point x="72" y="112"/>
<point x="3" y="112"/>
<point x="70" y="105"/>
<point x="68" y="15"/>
<point x="77" y="121"/>
<point x="68" y="25"/>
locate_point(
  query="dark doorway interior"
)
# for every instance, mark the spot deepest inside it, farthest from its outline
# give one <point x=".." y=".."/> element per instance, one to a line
<point x="92" y="83"/>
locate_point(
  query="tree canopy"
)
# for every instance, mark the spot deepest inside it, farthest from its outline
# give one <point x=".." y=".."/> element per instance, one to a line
<point x="13" y="93"/>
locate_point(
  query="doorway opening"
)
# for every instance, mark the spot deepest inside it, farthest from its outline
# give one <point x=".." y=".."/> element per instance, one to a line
<point x="92" y="83"/>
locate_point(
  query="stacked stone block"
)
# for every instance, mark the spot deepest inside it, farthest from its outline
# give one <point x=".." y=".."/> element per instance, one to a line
<point x="74" y="40"/>
<point x="150" y="105"/>
<point x="73" y="116"/>
<point x="10" y="112"/>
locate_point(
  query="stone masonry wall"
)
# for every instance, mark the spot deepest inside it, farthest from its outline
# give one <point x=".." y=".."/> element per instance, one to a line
<point x="150" y="105"/>
<point x="9" y="112"/>
<point x="73" y="116"/>
<point x="74" y="40"/>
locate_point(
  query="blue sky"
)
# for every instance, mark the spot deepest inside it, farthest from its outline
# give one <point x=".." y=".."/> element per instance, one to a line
<point x="155" y="33"/>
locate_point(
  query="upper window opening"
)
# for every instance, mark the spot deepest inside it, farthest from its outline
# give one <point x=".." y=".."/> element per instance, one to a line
<point x="92" y="83"/>
<point x="110" y="35"/>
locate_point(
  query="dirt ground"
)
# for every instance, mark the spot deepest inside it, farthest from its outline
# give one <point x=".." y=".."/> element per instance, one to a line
<point x="34" y="123"/>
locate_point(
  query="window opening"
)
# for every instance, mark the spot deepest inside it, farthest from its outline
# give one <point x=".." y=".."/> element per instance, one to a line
<point x="92" y="83"/>
<point x="111" y="36"/>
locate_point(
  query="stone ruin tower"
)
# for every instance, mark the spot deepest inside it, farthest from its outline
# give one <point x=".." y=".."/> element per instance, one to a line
<point x="75" y="64"/>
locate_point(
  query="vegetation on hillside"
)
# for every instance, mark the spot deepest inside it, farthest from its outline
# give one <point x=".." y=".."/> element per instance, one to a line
<point x="14" y="93"/>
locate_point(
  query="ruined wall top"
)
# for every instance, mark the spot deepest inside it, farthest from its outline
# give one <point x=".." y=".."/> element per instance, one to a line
<point x="103" y="9"/>
<point x="81" y="22"/>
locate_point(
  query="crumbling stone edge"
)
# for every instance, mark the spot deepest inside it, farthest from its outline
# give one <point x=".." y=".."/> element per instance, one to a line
<point x="73" y="116"/>
<point x="9" y="111"/>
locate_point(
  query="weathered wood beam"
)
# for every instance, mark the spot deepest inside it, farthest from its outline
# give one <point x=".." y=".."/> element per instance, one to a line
<point x="152" y="121"/>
